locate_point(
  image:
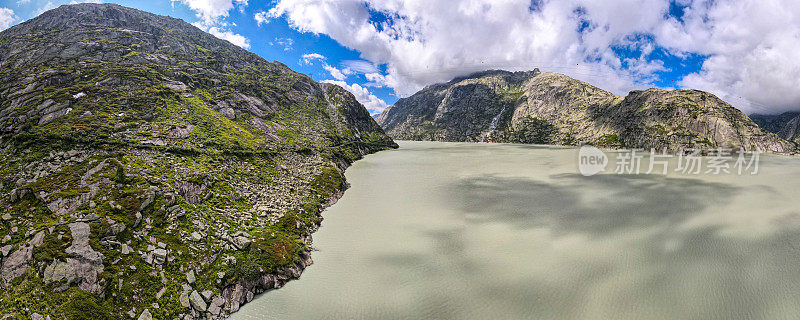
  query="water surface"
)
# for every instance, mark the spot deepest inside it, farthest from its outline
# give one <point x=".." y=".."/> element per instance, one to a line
<point x="496" y="231"/>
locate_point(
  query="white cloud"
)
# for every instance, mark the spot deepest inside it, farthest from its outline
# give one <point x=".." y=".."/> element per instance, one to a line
<point x="262" y="17"/>
<point x="753" y="45"/>
<point x="309" y="58"/>
<point x="231" y="37"/>
<point x="374" y="104"/>
<point x="7" y="17"/>
<point x="360" y="66"/>
<point x="335" y="73"/>
<point x="210" y="11"/>
<point x="21" y="2"/>
<point x="85" y="1"/>
<point x="286" y="43"/>
<point x="753" y="48"/>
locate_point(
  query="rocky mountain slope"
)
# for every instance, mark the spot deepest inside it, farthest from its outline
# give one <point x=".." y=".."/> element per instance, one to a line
<point x="785" y="125"/>
<point x="550" y="108"/>
<point x="151" y="170"/>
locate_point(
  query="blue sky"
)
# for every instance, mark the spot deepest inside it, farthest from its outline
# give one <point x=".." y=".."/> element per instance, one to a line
<point x="384" y="50"/>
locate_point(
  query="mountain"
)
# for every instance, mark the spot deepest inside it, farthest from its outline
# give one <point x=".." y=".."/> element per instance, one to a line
<point x="550" y="108"/>
<point x="786" y="125"/>
<point x="151" y="170"/>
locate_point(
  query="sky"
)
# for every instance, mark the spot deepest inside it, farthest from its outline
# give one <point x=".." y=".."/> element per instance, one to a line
<point x="746" y="52"/>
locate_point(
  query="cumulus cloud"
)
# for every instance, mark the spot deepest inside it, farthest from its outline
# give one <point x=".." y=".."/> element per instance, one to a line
<point x="7" y="17"/>
<point x="753" y="50"/>
<point x="209" y="11"/>
<point x="262" y="17"/>
<point x="750" y="45"/>
<point x="335" y="73"/>
<point x="231" y="37"/>
<point x="212" y="13"/>
<point x="374" y="104"/>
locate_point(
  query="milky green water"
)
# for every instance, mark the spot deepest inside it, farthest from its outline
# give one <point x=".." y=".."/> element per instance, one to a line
<point x="488" y="231"/>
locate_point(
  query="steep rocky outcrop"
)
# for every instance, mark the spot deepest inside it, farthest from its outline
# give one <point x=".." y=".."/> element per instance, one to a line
<point x="150" y="170"/>
<point x="550" y="108"/>
<point x="785" y="125"/>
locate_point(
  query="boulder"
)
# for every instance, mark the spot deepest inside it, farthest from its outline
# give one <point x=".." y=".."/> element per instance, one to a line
<point x="59" y="270"/>
<point x="86" y="262"/>
<point x="184" y="299"/>
<point x="145" y="315"/>
<point x="207" y="294"/>
<point x="241" y="242"/>
<point x="197" y="301"/>
<point x="17" y="263"/>
<point x="159" y="256"/>
<point x="126" y="249"/>
<point x="38" y="239"/>
<point x="6" y="250"/>
<point x="190" y="277"/>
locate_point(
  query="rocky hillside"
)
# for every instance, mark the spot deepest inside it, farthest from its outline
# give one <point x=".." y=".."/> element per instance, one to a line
<point x="550" y="108"/>
<point x="150" y="170"/>
<point x="786" y="125"/>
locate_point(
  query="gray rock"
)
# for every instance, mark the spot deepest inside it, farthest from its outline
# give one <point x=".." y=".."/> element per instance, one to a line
<point x="16" y="264"/>
<point x="207" y="294"/>
<point x="228" y="113"/>
<point x="36" y="316"/>
<point x="86" y="262"/>
<point x="196" y="236"/>
<point x="184" y="299"/>
<point x="150" y="197"/>
<point x="5" y="250"/>
<point x="241" y="242"/>
<point x="145" y="315"/>
<point x="38" y="239"/>
<point x="197" y="301"/>
<point x="59" y="270"/>
<point x="138" y="220"/>
<point x="159" y="256"/>
<point x="161" y="293"/>
<point x="190" y="277"/>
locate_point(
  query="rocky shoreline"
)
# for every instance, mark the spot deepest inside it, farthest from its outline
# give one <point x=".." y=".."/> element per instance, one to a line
<point x="244" y="291"/>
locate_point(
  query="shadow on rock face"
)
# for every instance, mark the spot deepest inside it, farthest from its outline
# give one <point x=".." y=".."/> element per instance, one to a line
<point x="592" y="205"/>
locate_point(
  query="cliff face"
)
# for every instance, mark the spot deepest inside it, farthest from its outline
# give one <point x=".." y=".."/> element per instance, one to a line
<point x="150" y="169"/>
<point x="786" y="125"/>
<point x="550" y="108"/>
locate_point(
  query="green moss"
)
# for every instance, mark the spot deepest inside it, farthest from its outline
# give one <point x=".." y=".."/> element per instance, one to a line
<point x="610" y="141"/>
<point x="84" y="306"/>
<point x="54" y="248"/>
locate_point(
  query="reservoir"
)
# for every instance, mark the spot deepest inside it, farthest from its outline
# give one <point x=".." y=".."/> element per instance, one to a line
<point x="499" y="231"/>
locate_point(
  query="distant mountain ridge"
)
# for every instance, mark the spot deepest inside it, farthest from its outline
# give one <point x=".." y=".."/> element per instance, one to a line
<point x="550" y="108"/>
<point x="785" y="125"/>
